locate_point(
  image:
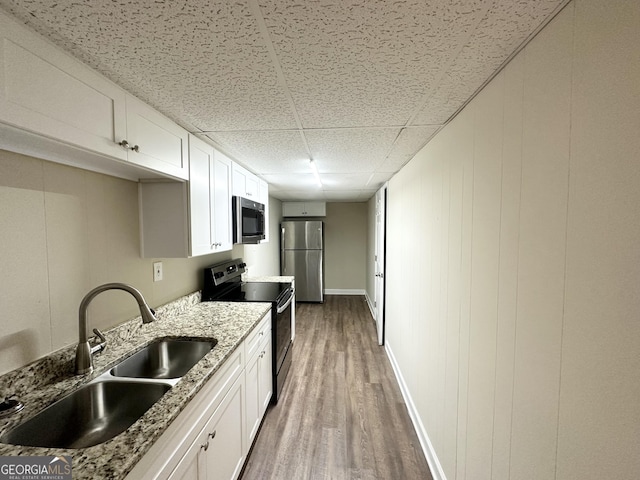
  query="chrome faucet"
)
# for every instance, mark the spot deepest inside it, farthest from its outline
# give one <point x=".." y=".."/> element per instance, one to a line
<point x="84" y="351"/>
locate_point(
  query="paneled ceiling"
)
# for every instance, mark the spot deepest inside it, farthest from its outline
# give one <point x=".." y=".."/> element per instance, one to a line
<point x="358" y="85"/>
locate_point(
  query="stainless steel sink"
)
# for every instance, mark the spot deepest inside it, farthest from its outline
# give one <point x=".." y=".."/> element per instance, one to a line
<point x="164" y="358"/>
<point x="91" y="415"/>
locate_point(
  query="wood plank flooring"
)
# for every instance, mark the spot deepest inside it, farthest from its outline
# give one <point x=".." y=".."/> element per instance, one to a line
<point x="341" y="415"/>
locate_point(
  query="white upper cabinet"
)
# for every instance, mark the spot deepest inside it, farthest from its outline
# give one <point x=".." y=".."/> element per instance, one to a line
<point x="209" y="199"/>
<point x="201" y="196"/>
<point x="248" y="185"/>
<point x="189" y="219"/>
<point x="45" y="91"/>
<point x="304" y="209"/>
<point x="55" y="107"/>
<point x="222" y="201"/>
<point x="245" y="183"/>
<point x="154" y="141"/>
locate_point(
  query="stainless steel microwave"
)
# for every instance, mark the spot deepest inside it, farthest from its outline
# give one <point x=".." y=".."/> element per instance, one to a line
<point x="248" y="220"/>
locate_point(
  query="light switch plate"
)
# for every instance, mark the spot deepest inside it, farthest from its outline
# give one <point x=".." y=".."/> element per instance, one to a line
<point x="157" y="271"/>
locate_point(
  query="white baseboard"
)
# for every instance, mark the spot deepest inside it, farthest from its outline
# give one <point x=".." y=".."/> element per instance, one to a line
<point x="345" y="291"/>
<point x="370" y="303"/>
<point x="427" y="447"/>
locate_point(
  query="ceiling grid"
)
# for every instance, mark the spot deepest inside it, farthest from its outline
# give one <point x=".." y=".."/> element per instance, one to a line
<point x="358" y="85"/>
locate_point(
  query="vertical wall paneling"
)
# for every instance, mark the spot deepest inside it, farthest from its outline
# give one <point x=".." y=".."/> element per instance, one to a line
<point x="442" y="285"/>
<point x="508" y="266"/>
<point x="600" y="389"/>
<point x="541" y="261"/>
<point x="484" y="277"/>
<point x="536" y="252"/>
<point x="448" y="452"/>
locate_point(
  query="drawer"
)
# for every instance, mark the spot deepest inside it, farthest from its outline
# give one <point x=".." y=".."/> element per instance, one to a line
<point x="257" y="335"/>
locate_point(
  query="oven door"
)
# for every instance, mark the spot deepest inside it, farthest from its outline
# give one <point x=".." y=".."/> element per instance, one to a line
<point x="283" y="330"/>
<point x="282" y="351"/>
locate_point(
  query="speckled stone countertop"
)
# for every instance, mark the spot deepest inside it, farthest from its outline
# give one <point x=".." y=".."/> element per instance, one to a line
<point x="45" y="381"/>
<point x="275" y="279"/>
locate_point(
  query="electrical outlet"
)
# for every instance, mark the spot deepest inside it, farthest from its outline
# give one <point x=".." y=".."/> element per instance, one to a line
<point x="157" y="271"/>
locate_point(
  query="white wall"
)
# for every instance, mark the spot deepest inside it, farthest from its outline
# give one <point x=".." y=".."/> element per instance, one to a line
<point x="515" y="326"/>
<point x="64" y="231"/>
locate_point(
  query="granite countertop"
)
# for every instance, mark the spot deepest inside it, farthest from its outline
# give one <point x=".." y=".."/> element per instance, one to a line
<point x="45" y="381"/>
<point x="272" y="278"/>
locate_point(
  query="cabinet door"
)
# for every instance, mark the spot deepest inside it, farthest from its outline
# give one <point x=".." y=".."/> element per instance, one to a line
<point x="292" y="209"/>
<point x="252" y="376"/>
<point x="315" y="209"/>
<point x="239" y="181"/>
<point x="222" y="445"/>
<point x="161" y="144"/>
<point x="259" y="387"/>
<point x="222" y="202"/>
<point x="189" y="466"/>
<point x="201" y="196"/>
<point x="265" y="377"/>
<point x="245" y="183"/>
<point x="45" y="91"/>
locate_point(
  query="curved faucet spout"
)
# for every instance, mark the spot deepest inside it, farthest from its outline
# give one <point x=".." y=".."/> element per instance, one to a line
<point x="84" y="352"/>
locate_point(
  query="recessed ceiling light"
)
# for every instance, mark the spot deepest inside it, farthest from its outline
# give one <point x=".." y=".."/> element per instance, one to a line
<point x="314" y="169"/>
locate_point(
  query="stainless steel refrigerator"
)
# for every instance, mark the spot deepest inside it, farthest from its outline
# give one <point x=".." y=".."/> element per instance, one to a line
<point x="301" y="255"/>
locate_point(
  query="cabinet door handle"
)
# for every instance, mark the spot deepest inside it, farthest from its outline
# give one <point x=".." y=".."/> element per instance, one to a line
<point x="127" y="145"/>
<point x="212" y="435"/>
<point x="205" y="447"/>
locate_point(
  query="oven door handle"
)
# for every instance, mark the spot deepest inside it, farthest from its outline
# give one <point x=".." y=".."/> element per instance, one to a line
<point x="286" y="305"/>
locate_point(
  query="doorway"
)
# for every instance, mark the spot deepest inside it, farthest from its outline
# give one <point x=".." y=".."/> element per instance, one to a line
<point x="379" y="259"/>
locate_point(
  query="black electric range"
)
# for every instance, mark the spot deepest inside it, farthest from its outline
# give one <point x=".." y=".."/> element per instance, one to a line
<point x="223" y="283"/>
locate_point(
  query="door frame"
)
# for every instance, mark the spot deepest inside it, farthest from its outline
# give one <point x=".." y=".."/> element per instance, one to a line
<point x="380" y="256"/>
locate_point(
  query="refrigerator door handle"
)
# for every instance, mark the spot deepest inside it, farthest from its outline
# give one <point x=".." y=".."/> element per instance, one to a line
<point x="283" y="259"/>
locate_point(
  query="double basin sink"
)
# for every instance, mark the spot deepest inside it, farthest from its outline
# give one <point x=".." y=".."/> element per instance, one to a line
<point x="108" y="405"/>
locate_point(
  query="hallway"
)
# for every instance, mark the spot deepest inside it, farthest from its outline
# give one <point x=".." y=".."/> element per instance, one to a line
<point x="341" y="415"/>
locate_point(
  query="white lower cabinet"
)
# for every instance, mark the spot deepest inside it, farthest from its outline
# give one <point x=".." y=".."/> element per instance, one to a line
<point x="211" y="437"/>
<point x="218" y="452"/>
<point x="259" y="387"/>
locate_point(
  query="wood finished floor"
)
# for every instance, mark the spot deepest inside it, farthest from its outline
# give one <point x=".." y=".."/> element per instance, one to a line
<point x="341" y="415"/>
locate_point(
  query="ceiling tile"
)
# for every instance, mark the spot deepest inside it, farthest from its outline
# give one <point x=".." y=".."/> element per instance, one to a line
<point x="377" y="179"/>
<point x="344" y="181"/>
<point x="266" y="152"/>
<point x="411" y="140"/>
<point x="350" y="150"/>
<point x="291" y="181"/>
<point x="349" y="195"/>
<point x="505" y="27"/>
<point x="299" y="195"/>
<point x="365" y="62"/>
